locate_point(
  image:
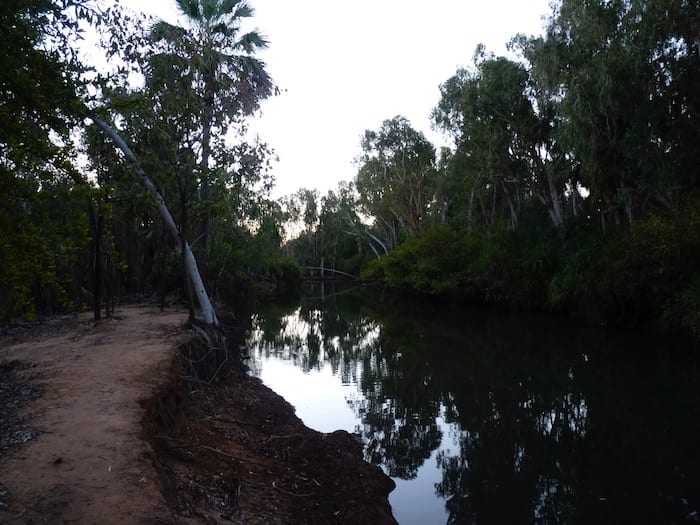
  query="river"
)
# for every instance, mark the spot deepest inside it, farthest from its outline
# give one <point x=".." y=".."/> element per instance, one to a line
<point x="491" y="417"/>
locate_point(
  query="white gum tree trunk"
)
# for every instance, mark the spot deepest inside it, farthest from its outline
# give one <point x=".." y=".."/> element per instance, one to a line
<point x="205" y="304"/>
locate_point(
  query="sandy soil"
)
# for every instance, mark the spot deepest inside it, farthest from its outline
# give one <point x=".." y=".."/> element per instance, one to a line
<point x="90" y="464"/>
<point x="124" y="439"/>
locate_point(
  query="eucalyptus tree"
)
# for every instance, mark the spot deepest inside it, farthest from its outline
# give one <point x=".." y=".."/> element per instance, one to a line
<point x="326" y="230"/>
<point x="201" y="82"/>
<point x="624" y="75"/>
<point x="503" y="149"/>
<point x="396" y="179"/>
<point x="303" y="210"/>
<point x="343" y="235"/>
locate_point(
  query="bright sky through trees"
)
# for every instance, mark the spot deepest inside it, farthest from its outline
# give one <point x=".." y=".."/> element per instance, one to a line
<point x="346" y="66"/>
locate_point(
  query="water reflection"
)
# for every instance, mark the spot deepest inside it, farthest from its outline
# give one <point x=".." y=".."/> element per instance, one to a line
<point x="525" y="419"/>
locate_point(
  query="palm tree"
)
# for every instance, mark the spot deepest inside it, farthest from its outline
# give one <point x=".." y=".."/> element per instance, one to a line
<point x="217" y="63"/>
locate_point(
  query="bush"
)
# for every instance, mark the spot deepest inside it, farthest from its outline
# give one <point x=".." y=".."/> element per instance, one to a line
<point x="648" y="271"/>
<point x="432" y="263"/>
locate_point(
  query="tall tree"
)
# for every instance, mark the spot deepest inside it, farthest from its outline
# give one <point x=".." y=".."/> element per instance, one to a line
<point x="503" y="148"/>
<point x="202" y="81"/>
<point x="396" y="178"/>
<point x="341" y="230"/>
<point x="625" y="75"/>
<point x="214" y="63"/>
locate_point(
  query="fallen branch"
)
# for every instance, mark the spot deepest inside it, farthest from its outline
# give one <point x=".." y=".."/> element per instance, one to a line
<point x="283" y="437"/>
<point x="235" y="422"/>
<point x="291" y="493"/>
<point x="217" y="451"/>
<point x="189" y="444"/>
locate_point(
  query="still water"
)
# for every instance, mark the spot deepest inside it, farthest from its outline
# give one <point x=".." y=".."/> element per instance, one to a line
<point x="493" y="418"/>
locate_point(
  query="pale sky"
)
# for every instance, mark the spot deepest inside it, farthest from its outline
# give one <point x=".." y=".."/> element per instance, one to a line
<point x="346" y="66"/>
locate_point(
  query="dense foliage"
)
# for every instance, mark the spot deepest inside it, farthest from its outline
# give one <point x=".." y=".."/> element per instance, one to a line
<point x="572" y="179"/>
<point x="79" y="228"/>
<point x="41" y="227"/>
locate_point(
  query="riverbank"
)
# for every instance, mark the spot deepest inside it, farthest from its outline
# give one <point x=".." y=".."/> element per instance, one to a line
<point x="115" y="435"/>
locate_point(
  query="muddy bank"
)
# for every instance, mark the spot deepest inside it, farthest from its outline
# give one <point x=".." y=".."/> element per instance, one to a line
<point x="234" y="451"/>
<point x="99" y="426"/>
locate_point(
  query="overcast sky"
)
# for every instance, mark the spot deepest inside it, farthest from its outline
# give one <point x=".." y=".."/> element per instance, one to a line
<point x="346" y="66"/>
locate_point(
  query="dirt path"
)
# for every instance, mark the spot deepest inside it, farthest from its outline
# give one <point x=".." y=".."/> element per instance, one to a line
<point x="90" y="463"/>
<point x="110" y="404"/>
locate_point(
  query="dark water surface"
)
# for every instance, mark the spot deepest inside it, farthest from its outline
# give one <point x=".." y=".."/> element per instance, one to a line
<point x="493" y="418"/>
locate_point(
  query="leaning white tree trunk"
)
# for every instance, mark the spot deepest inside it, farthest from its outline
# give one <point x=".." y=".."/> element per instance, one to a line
<point x="191" y="267"/>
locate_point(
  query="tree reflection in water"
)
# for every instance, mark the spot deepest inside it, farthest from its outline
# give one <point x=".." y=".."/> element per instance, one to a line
<point x="552" y="422"/>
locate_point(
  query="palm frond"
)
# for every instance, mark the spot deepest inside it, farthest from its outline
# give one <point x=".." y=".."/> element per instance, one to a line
<point x="210" y="10"/>
<point x="235" y="8"/>
<point x="243" y="10"/>
<point x="191" y="9"/>
<point x="252" y="42"/>
<point x="255" y="70"/>
<point x="255" y="77"/>
<point x="166" y="64"/>
<point x="223" y="29"/>
<point x="216" y="60"/>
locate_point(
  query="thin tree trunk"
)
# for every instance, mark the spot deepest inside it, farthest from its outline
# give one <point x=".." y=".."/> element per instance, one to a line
<point x="96" y="220"/>
<point x="184" y="249"/>
<point x="378" y="241"/>
<point x="557" y="210"/>
<point x="132" y="264"/>
<point x="470" y="210"/>
<point x="204" y="185"/>
<point x="182" y="229"/>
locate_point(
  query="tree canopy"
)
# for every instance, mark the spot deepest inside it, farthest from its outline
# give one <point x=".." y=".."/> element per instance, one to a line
<point x="572" y="179"/>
